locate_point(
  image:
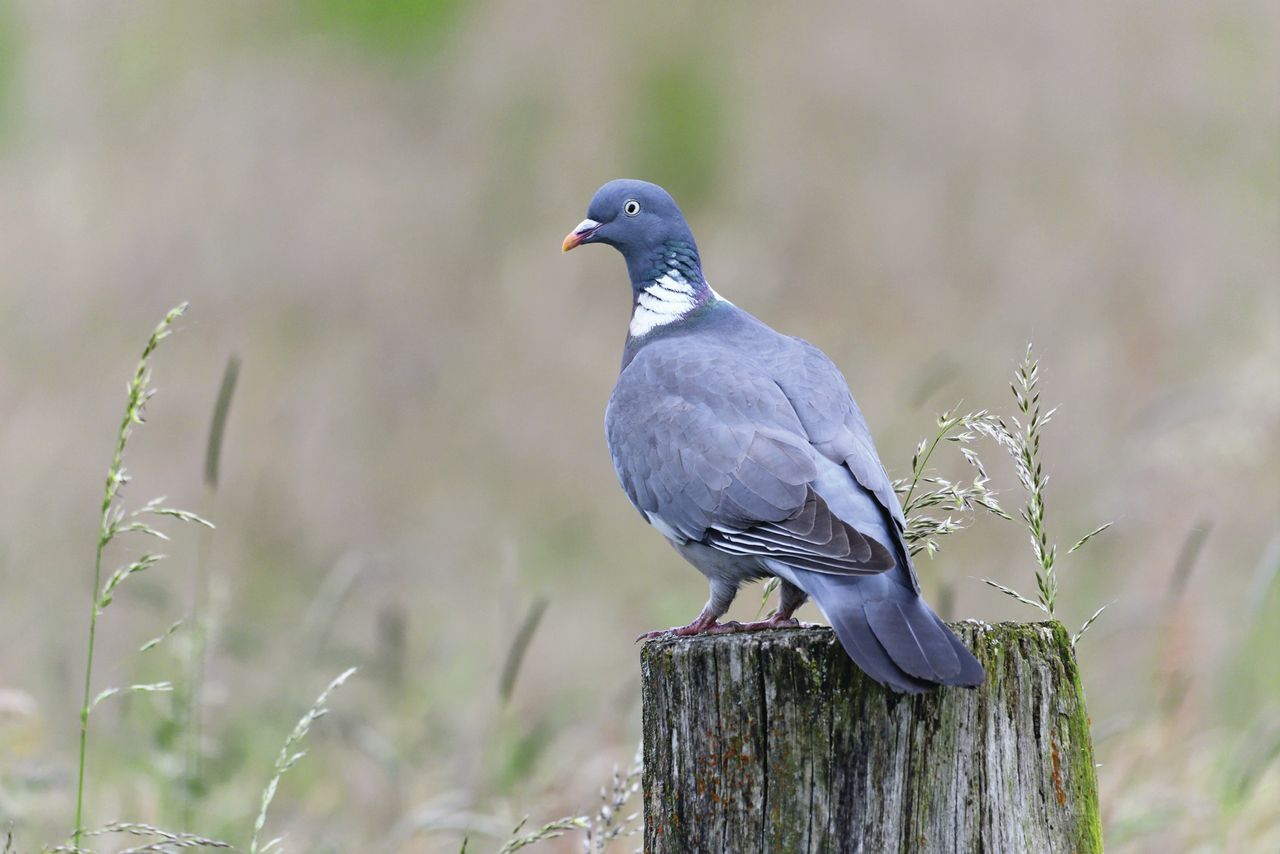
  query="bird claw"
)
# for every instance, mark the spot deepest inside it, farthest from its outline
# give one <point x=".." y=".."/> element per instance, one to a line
<point x="772" y="623"/>
<point x="700" y="627"/>
<point x="724" y="628"/>
<point x="678" y="632"/>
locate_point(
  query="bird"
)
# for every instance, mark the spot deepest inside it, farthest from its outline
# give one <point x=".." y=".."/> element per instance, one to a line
<point x="745" y="449"/>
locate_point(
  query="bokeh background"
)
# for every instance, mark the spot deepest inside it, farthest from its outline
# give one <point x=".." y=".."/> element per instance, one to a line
<point x="364" y="200"/>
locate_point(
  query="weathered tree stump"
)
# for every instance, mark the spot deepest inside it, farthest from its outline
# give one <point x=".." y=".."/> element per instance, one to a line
<point x="775" y="742"/>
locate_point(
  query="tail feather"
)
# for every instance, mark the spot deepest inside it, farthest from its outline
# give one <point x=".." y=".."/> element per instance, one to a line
<point x="866" y="650"/>
<point x="971" y="672"/>
<point x="889" y="631"/>
<point x="913" y="639"/>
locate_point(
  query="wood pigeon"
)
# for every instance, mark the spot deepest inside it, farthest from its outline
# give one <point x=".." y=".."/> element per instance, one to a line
<point x="745" y="449"/>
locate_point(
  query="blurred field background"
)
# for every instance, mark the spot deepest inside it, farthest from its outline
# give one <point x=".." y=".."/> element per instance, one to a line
<point x="365" y="201"/>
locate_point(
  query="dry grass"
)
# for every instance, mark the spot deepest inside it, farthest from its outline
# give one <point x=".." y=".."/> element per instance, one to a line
<point x="1022" y="441"/>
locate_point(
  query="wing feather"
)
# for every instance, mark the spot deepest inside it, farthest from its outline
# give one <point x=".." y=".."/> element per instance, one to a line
<point x="834" y="424"/>
<point x="717" y="453"/>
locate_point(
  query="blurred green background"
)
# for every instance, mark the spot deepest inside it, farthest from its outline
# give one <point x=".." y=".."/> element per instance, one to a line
<point x="365" y="201"/>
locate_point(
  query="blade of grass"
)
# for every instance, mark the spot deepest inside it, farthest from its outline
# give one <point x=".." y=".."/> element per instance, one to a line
<point x="218" y="421"/>
<point x="1016" y="595"/>
<point x="550" y="830"/>
<point x="520" y="645"/>
<point x="192" y="702"/>
<point x="1087" y="537"/>
<point x="159" y="639"/>
<point x="1089" y="622"/>
<point x="148" y="688"/>
<point x="289" y="756"/>
<point x="1188" y="555"/>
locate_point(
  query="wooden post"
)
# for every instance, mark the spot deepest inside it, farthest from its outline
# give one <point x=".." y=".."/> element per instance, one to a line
<point x="774" y="741"/>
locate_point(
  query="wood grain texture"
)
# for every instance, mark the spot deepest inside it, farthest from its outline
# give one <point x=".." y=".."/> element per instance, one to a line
<point x="774" y="741"/>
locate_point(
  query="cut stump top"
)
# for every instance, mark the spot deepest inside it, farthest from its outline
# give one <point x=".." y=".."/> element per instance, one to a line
<point x="774" y="741"/>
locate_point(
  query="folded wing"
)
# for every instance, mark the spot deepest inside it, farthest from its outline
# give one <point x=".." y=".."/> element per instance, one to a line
<point x="718" y="456"/>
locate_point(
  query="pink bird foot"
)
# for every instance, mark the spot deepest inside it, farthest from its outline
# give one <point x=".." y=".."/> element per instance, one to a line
<point x="709" y="626"/>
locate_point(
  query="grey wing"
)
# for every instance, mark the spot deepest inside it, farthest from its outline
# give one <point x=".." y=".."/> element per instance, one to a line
<point x="831" y="419"/>
<point x="716" y="455"/>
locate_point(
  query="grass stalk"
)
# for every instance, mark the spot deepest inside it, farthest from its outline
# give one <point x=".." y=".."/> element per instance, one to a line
<point x="289" y="756"/>
<point x="520" y="645"/>
<point x="88" y="693"/>
<point x="112" y="522"/>
<point x="193" y="699"/>
<point x="921" y="459"/>
<point x="1022" y="442"/>
<point x="923" y="531"/>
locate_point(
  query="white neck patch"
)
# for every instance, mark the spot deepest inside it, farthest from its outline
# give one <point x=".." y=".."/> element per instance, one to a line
<point x="665" y="301"/>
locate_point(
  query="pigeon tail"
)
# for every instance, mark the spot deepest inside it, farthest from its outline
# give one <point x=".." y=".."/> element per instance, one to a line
<point x="889" y="631"/>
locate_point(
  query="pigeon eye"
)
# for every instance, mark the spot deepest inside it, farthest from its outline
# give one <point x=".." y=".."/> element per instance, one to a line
<point x="631" y="207"/>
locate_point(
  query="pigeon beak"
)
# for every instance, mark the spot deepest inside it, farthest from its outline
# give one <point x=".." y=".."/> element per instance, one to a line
<point x="580" y="235"/>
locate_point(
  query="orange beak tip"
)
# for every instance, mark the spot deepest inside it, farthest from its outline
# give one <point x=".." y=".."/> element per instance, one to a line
<point x="584" y="230"/>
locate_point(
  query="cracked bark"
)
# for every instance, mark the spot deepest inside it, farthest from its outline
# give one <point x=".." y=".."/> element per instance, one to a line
<point x="773" y="741"/>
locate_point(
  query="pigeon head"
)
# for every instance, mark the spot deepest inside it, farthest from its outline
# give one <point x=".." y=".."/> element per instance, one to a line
<point x="641" y="221"/>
